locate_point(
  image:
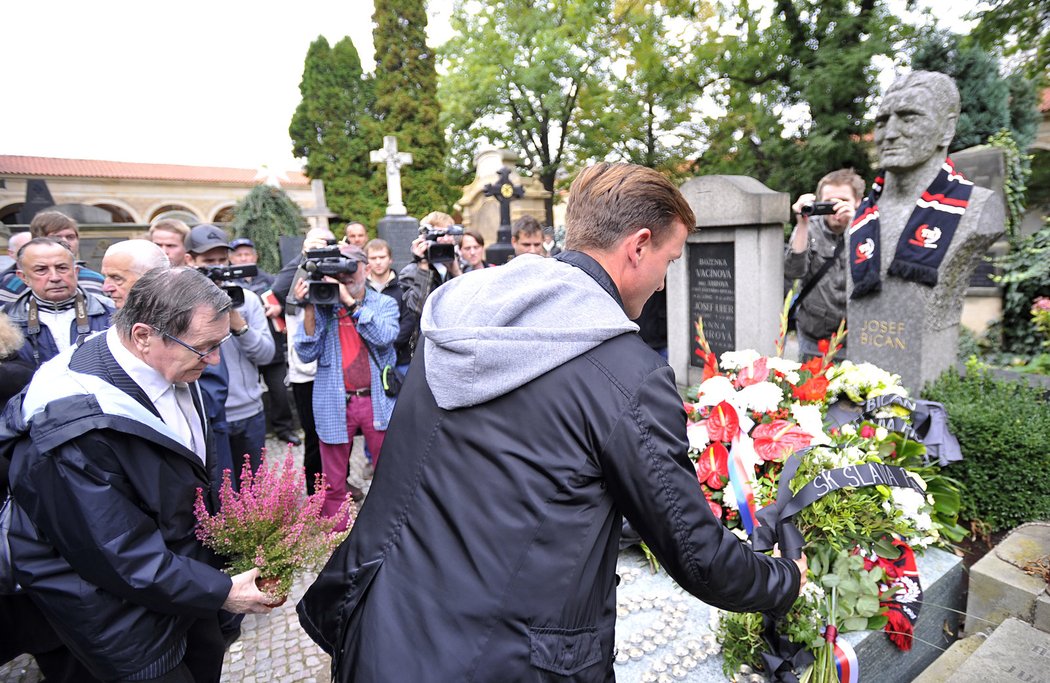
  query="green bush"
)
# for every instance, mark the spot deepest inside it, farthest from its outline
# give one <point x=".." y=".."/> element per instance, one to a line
<point x="1004" y="430"/>
<point x="1026" y="275"/>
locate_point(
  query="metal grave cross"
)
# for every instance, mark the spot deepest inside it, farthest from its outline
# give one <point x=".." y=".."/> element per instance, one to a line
<point x="393" y="160"/>
<point x="504" y="191"/>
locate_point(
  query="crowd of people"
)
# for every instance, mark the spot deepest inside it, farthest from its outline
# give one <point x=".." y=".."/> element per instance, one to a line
<point x="146" y="381"/>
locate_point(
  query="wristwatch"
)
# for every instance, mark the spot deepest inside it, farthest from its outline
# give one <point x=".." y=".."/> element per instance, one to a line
<point x="240" y="332"/>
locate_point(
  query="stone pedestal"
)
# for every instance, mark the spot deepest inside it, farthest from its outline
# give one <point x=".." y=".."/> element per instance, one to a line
<point x="1000" y="588"/>
<point x="398" y="231"/>
<point x="1015" y="652"/>
<point x="731" y="274"/>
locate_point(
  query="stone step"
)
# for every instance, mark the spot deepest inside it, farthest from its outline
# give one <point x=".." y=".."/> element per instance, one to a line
<point x="1016" y="651"/>
<point x="947" y="664"/>
<point x="999" y="588"/>
<point x="663" y="631"/>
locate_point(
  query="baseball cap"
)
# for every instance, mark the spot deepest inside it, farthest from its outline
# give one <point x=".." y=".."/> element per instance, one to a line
<point x="352" y="251"/>
<point x="206" y="237"/>
<point x="242" y="242"/>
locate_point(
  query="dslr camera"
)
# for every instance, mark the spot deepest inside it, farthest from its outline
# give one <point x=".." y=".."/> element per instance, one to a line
<point x="321" y="262"/>
<point x="438" y="252"/>
<point x="221" y="276"/>
<point x="818" y="209"/>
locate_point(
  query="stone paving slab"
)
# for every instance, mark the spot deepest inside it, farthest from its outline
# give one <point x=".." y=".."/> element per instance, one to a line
<point x="1014" y="652"/>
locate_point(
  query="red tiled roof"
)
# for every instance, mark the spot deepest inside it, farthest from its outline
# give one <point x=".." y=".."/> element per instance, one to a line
<point x="92" y="168"/>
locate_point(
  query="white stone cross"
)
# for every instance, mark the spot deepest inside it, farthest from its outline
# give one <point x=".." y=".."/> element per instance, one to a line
<point x="394" y="161"/>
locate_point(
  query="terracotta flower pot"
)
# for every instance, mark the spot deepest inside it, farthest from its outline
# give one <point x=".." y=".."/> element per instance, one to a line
<point x="270" y="585"/>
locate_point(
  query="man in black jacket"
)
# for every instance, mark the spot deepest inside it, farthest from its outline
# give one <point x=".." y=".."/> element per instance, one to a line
<point x="108" y="449"/>
<point x="487" y="552"/>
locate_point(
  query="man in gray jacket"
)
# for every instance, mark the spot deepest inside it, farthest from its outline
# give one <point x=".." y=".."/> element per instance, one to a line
<point x="251" y="346"/>
<point x="819" y="240"/>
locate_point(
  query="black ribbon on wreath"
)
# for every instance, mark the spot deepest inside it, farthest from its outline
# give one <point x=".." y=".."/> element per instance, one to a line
<point x="776" y="527"/>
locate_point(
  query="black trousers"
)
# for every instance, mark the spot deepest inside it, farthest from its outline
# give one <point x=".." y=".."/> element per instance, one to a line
<point x="275" y="400"/>
<point x="303" y="392"/>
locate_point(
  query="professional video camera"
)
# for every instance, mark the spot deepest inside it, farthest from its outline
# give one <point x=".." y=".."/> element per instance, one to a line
<point x="321" y="262"/>
<point x="438" y="252"/>
<point x="818" y="209"/>
<point x="221" y="275"/>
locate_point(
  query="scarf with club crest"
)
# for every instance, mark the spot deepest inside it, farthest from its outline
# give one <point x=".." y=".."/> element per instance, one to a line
<point x="925" y="239"/>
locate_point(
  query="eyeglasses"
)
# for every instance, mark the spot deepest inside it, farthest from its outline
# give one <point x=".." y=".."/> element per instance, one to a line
<point x="200" y="354"/>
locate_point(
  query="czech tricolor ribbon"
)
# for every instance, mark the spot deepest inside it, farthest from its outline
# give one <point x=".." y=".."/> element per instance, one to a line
<point x="740" y="480"/>
<point x="845" y="657"/>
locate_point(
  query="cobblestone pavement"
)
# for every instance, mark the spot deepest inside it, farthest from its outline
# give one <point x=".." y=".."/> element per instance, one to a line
<point x="272" y="648"/>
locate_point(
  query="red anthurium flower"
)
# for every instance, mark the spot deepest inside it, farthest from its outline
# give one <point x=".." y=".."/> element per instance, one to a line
<point x="712" y="465"/>
<point x="755" y="373"/>
<point x="813" y="389"/>
<point x="778" y="439"/>
<point x="716" y="509"/>
<point x="723" y="423"/>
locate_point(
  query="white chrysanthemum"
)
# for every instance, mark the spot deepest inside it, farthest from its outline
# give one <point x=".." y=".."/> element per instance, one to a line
<point x="729" y="497"/>
<point x="715" y="390"/>
<point x="811" y="422"/>
<point x="697" y="435"/>
<point x="782" y="364"/>
<point x="763" y="397"/>
<point x="793" y="377"/>
<point x="908" y="501"/>
<point x="848" y="429"/>
<point x="734" y="360"/>
<point x="881" y="433"/>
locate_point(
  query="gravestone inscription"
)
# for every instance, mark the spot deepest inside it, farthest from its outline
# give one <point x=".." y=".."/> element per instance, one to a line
<point x="712" y="286"/>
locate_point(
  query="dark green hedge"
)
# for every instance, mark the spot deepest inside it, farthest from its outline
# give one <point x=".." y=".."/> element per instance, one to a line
<point x="1004" y="430"/>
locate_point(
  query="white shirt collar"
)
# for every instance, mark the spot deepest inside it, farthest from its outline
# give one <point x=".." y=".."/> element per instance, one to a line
<point x="151" y="381"/>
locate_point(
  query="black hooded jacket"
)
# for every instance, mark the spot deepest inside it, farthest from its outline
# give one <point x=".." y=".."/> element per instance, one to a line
<point x="487" y="548"/>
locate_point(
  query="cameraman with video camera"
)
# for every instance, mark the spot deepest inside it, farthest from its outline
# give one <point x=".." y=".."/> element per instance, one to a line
<point x="816" y="256"/>
<point x="350" y="330"/>
<point x="435" y="264"/>
<point x="251" y="344"/>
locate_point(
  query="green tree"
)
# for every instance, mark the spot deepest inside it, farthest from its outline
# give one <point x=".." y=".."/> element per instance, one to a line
<point x="406" y="105"/>
<point x="1019" y="28"/>
<point x="518" y="74"/>
<point x="798" y="86"/>
<point x="329" y="127"/>
<point x="263" y="216"/>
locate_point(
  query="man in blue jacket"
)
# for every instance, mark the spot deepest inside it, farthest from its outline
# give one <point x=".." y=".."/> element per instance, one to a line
<point x="53" y="313"/>
<point x="108" y="449"/>
<point x="487" y="548"/>
<point x="352" y="342"/>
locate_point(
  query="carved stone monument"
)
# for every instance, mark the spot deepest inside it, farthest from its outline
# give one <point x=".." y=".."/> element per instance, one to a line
<point x="731" y="273"/>
<point x="903" y="325"/>
<point x="481" y="212"/>
<point x="397" y="228"/>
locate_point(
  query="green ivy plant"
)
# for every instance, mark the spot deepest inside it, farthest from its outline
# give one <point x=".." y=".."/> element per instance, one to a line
<point x="1015" y="184"/>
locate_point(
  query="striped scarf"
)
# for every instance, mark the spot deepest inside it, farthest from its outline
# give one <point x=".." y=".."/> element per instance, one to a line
<point x="925" y="239"/>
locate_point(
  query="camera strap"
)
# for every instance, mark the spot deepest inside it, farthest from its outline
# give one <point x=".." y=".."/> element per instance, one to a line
<point x="824" y="268"/>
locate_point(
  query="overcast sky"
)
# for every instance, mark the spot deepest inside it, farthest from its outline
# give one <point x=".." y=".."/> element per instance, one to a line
<point x="198" y="82"/>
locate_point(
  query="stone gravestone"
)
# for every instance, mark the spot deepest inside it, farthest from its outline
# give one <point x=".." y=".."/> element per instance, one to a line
<point x="906" y="327"/>
<point x="480" y="212"/>
<point x="504" y="191"/>
<point x="731" y="273"/>
<point x="396" y="227"/>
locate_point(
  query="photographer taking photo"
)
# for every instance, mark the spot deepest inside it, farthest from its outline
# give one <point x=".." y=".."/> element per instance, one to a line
<point x="816" y="256"/>
<point x="351" y="336"/>
<point x="422" y="277"/>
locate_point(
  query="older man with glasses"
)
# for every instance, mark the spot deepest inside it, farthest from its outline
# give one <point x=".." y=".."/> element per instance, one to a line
<point x="102" y="532"/>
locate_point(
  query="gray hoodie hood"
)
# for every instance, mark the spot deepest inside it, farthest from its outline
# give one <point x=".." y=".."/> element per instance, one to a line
<point x="492" y="330"/>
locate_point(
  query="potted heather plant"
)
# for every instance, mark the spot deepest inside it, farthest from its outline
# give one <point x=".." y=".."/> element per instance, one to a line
<point x="271" y="524"/>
